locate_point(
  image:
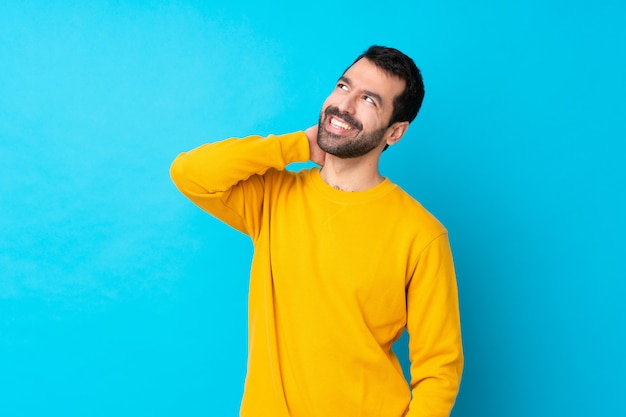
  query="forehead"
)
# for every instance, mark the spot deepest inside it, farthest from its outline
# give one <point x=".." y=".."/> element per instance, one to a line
<point x="365" y="75"/>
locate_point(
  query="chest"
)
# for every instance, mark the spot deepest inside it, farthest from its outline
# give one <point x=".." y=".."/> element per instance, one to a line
<point x="338" y="258"/>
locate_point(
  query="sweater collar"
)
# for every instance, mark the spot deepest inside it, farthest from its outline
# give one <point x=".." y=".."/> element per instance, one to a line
<point x="348" y="197"/>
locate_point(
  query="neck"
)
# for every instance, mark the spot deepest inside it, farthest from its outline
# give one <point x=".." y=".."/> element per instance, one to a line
<point x="355" y="174"/>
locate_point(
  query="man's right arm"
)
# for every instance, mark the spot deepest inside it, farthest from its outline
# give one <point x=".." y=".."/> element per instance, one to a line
<point x="226" y="178"/>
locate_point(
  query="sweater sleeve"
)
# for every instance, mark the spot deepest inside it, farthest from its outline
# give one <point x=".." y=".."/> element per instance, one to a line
<point x="434" y="328"/>
<point x="226" y="178"/>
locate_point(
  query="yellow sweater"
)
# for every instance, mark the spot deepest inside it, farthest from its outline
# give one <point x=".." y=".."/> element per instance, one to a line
<point x="335" y="278"/>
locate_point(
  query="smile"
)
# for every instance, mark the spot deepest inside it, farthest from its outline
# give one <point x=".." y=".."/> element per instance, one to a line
<point x="340" y="124"/>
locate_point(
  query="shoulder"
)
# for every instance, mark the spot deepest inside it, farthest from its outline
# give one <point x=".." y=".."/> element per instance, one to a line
<point x="412" y="214"/>
<point x="283" y="181"/>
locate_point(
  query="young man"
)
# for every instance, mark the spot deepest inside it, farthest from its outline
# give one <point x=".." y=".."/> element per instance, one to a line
<point x="344" y="259"/>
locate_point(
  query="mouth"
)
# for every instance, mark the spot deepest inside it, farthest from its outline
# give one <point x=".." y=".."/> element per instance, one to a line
<point x="340" y="124"/>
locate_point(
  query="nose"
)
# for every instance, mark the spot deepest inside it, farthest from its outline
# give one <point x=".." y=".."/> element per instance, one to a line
<point x="347" y="104"/>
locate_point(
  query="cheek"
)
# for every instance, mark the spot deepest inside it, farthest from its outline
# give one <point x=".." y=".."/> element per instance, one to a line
<point x="334" y="99"/>
<point x="370" y="118"/>
<point x="328" y="102"/>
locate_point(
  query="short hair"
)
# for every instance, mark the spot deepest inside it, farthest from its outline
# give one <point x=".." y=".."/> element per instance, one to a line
<point x="395" y="63"/>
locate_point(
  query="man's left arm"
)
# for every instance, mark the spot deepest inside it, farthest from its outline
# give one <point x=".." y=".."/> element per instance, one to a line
<point x="433" y="323"/>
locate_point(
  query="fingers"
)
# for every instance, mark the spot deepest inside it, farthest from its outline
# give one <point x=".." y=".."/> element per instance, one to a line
<point x="317" y="155"/>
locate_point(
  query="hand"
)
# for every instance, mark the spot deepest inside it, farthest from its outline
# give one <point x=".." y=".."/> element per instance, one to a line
<point x="317" y="155"/>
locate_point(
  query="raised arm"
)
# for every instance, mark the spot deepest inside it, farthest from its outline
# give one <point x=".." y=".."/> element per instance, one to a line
<point x="226" y="178"/>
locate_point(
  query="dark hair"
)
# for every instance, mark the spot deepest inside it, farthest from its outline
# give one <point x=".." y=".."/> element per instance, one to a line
<point x="394" y="62"/>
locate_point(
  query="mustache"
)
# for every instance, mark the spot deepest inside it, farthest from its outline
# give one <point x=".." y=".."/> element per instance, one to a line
<point x="334" y="111"/>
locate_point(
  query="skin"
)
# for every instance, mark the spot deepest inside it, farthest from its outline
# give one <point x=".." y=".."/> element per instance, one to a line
<point x="356" y="115"/>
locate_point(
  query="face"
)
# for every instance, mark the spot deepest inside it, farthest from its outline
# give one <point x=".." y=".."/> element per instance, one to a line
<point x="355" y="117"/>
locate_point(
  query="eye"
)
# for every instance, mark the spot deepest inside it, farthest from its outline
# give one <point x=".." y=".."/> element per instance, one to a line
<point x="369" y="100"/>
<point x="342" y="86"/>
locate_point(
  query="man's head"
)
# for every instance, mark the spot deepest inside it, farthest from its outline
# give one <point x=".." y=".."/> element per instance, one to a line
<point x="372" y="104"/>
<point x="393" y="62"/>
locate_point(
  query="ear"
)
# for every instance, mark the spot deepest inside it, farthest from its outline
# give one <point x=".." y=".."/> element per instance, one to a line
<point x="395" y="132"/>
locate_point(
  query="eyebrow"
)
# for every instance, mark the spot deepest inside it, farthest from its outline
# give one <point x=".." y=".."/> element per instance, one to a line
<point x="372" y="94"/>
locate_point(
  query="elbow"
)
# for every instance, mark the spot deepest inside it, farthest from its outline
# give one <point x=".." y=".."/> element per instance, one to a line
<point x="187" y="177"/>
<point x="178" y="174"/>
<point x="176" y="169"/>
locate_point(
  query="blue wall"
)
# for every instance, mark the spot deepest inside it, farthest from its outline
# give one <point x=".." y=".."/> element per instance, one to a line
<point x="118" y="297"/>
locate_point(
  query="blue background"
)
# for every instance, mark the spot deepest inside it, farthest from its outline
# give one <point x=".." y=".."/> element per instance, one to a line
<point x="119" y="297"/>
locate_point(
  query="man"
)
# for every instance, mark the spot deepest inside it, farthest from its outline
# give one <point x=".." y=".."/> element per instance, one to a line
<point x="344" y="259"/>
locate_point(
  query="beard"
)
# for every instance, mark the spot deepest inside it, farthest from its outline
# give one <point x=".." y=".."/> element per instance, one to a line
<point x="347" y="147"/>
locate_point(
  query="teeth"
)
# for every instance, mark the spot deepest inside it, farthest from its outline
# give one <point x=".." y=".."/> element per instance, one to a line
<point x="338" y="123"/>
